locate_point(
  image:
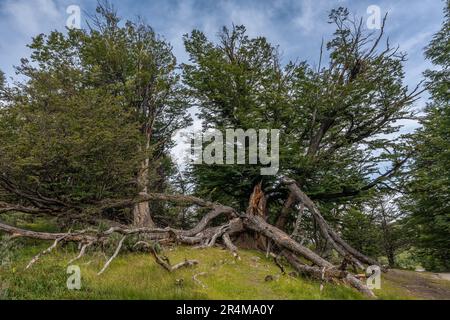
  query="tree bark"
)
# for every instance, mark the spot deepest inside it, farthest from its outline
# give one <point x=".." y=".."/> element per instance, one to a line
<point x="328" y="273"/>
<point x="256" y="207"/>
<point x="141" y="210"/>
<point x="283" y="240"/>
<point x="253" y="222"/>
<point x="284" y="214"/>
<point x="327" y="232"/>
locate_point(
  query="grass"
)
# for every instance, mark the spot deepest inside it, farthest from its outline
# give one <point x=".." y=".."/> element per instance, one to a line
<point x="137" y="276"/>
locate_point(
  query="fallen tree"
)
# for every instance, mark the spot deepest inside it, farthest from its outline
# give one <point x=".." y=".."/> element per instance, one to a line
<point x="204" y="234"/>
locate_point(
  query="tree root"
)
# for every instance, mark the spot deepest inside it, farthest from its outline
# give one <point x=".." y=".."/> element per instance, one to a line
<point x="165" y="263"/>
<point x="230" y="245"/>
<point x="194" y="277"/>
<point x="204" y="236"/>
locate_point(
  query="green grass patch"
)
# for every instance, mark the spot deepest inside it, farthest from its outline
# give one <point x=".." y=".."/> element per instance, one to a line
<point x="137" y="276"/>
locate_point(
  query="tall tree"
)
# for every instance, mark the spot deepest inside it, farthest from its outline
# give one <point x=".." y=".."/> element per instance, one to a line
<point x="333" y="119"/>
<point x="132" y="61"/>
<point x="430" y="196"/>
<point x="64" y="145"/>
<point x="232" y="82"/>
<point x="125" y="65"/>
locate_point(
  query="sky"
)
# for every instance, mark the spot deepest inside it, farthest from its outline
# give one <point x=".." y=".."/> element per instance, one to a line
<point x="297" y="26"/>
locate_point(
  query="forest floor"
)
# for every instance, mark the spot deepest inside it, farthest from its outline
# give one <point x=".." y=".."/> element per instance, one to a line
<point x="218" y="274"/>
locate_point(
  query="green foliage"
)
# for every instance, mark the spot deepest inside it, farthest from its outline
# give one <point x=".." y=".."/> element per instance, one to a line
<point x="75" y="146"/>
<point x="237" y="84"/>
<point x="361" y="231"/>
<point x="430" y="197"/>
<point x="331" y="119"/>
<point x="376" y="227"/>
<point x="94" y="105"/>
<point x="408" y="259"/>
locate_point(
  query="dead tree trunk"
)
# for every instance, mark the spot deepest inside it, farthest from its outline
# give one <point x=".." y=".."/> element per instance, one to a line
<point x="252" y="222"/>
<point x="333" y="239"/>
<point x="141" y="210"/>
<point x="256" y="207"/>
<point x="328" y="274"/>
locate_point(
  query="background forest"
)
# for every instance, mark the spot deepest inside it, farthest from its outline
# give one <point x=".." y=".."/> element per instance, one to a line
<point x="88" y="125"/>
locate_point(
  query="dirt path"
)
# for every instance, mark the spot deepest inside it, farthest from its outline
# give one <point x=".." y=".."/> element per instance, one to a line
<point x="422" y="285"/>
<point x="444" y="276"/>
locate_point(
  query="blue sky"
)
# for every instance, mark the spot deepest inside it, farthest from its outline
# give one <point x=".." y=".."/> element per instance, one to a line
<point x="297" y="26"/>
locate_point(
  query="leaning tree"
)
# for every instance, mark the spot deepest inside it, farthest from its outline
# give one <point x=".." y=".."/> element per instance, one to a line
<point x="83" y="137"/>
<point x="335" y="119"/>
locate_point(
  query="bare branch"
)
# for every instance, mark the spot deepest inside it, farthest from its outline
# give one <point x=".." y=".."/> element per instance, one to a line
<point x="48" y="250"/>
<point x="113" y="256"/>
<point x="82" y="252"/>
<point x="198" y="281"/>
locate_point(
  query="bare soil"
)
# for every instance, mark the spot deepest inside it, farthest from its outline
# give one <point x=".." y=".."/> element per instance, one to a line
<point x="422" y="285"/>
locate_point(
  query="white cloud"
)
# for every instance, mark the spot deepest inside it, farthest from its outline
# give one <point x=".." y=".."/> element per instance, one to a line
<point x="20" y="20"/>
<point x="416" y="42"/>
<point x="296" y="25"/>
<point x="306" y="19"/>
<point x="28" y="17"/>
<point x="257" y="20"/>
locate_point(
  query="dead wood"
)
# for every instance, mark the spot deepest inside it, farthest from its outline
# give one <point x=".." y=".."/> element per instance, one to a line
<point x="119" y="246"/>
<point x="194" y="277"/>
<point x="348" y="252"/>
<point x="251" y="224"/>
